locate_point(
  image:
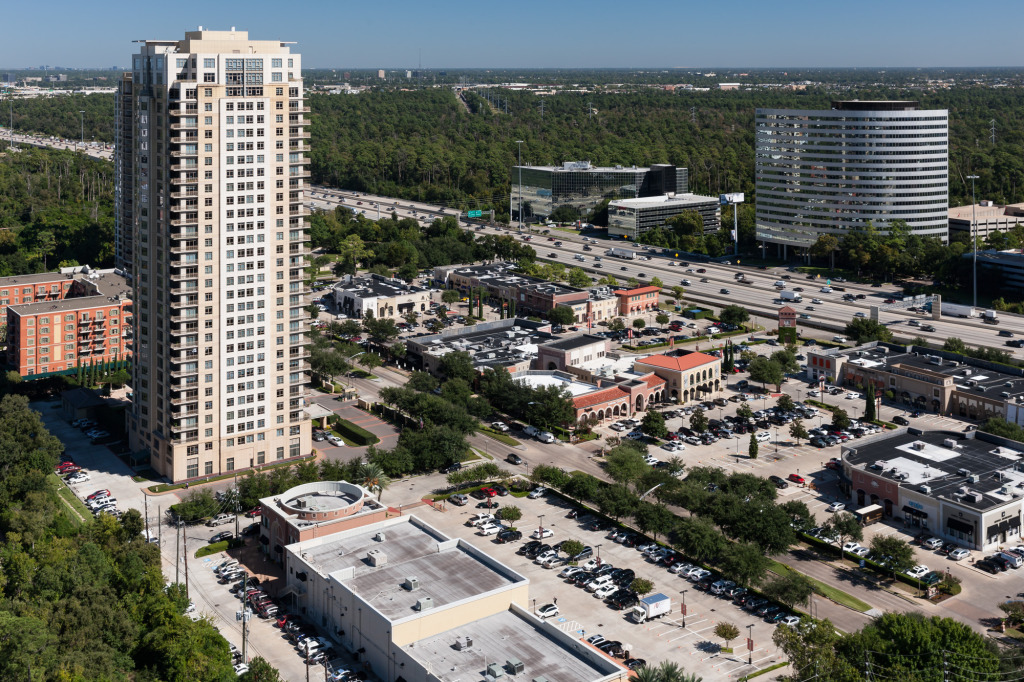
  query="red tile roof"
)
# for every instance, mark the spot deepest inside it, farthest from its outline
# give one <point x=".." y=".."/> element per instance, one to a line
<point x="680" y="363"/>
<point x="635" y="292"/>
<point x="599" y="397"/>
<point x="786" y="309"/>
<point x="654" y="380"/>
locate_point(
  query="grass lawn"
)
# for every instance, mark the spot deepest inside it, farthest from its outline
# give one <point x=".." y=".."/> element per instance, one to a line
<point x="146" y="474"/>
<point x="500" y="437"/>
<point x="70" y="498"/>
<point x="824" y="590"/>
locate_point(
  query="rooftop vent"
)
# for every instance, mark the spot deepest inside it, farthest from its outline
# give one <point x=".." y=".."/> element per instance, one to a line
<point x="973" y="497"/>
<point x="412" y="584"/>
<point x="379" y="537"/>
<point x="424" y="603"/>
<point x="376" y="557"/>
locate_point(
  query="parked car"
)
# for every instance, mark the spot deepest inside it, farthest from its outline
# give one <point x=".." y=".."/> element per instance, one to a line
<point x="222" y="536"/>
<point x="509" y="535"/>
<point x="835" y="507"/>
<point x="547" y="611"/>
<point x="537" y="492"/>
<point x="541" y="533"/>
<point x="902" y="421"/>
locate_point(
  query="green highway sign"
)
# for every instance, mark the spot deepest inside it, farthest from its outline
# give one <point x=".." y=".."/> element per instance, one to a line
<point x="474" y="214"/>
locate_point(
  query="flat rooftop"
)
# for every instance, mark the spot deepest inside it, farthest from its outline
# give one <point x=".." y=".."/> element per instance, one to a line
<point x="586" y="167"/>
<point x="541" y="379"/>
<point x="37" y="278"/>
<point x="574" y="342"/>
<point x="376" y="286"/>
<point x="968" y="378"/>
<point x="509" y="635"/>
<point x="946" y="462"/>
<point x="665" y="201"/>
<point x="501" y="342"/>
<point x="320" y="501"/>
<point x="447" y="570"/>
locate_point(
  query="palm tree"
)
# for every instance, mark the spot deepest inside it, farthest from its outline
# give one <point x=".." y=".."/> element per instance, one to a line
<point x="666" y="672"/>
<point x="373" y="478"/>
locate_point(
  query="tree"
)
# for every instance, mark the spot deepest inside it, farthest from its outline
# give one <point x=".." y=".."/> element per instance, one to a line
<point x="798" y="431"/>
<point x="785" y="403"/>
<point x="677" y="292"/>
<point x="639" y="323"/>
<point x="734" y="314"/>
<point x="451" y="296"/>
<point x="421" y="381"/>
<point x="571" y="547"/>
<point x="381" y="331"/>
<point x="625" y="464"/>
<point x="744" y="411"/>
<point x="616" y="501"/>
<point x="862" y="330"/>
<point x="653" y="519"/>
<point x="632" y="283"/>
<point x="899" y="555"/>
<point x="351" y="250"/>
<point x="562" y="315"/>
<point x="698" y="538"/>
<point x="617" y="325"/>
<point x="745" y="563"/>
<point x="578" y="278"/>
<point x="726" y="631"/>
<point x="765" y="371"/>
<point x="869" y="403"/>
<point x="653" y="424"/>
<point x="511" y="514"/>
<point x="954" y="344"/>
<point x="791" y="588"/>
<point x="752" y="448"/>
<point x="260" y="671"/>
<point x="662" y="319"/>
<point x="458" y="365"/>
<point x="840" y="419"/>
<point x="846" y="527"/>
<point x="641" y="586"/>
<point x="372" y="477"/>
<point x="825" y="246"/>
<point x="698" y="422"/>
<point x="656" y="282"/>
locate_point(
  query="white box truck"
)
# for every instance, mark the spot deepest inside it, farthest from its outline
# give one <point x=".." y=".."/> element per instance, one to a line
<point x="616" y="252"/>
<point x="649" y="608"/>
<point x="955" y="310"/>
<point x="791" y="296"/>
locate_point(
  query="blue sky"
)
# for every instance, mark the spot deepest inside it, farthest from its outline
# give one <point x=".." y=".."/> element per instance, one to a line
<point x="528" y="33"/>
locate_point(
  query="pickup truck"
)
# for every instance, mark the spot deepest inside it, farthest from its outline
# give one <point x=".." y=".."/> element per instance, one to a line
<point x="220" y="520"/>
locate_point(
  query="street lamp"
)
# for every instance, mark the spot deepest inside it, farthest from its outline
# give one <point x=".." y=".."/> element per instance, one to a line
<point x="974" y="235"/>
<point x="540" y="526"/>
<point x="776" y="440"/>
<point x="599" y="554"/>
<point x="683" y="621"/>
<point x="519" y="144"/>
<point x="81" y="116"/>
<point x="750" y="649"/>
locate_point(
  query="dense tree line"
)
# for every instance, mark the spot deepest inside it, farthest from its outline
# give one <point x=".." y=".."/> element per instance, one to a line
<point x="84" y="600"/>
<point x="58" y="115"/>
<point x="56" y="208"/>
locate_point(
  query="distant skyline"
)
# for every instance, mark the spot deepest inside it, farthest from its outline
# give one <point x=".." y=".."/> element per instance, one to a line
<point x="531" y="34"/>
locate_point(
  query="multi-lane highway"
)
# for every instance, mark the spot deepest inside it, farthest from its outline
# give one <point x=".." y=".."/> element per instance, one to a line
<point x="760" y="297"/>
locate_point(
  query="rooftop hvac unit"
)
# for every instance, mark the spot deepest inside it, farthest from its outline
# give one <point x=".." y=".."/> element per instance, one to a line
<point x="973" y="497"/>
<point x="949" y="443"/>
<point x="974" y="478"/>
<point x="379" y="537"/>
<point x="424" y="603"/>
<point x="375" y="557"/>
<point x="514" y="666"/>
<point x="967" y="372"/>
<point x="926" y="489"/>
<point x="411" y="584"/>
<point x="539" y="678"/>
<point x="918" y="445"/>
<point x="495" y="671"/>
<point x="466" y="643"/>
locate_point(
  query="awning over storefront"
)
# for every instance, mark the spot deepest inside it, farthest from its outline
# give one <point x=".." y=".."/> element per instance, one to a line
<point x="910" y="511"/>
<point x="1003" y="526"/>
<point x="960" y="526"/>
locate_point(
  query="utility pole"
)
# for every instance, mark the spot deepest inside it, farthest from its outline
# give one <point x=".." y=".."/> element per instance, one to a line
<point x="974" y="235"/>
<point x="185" y="556"/>
<point x="145" y="502"/>
<point x="177" y="553"/>
<point x="519" y="143"/>
<point x="245" y="616"/>
<point x="234" y="490"/>
<point x="159" y="527"/>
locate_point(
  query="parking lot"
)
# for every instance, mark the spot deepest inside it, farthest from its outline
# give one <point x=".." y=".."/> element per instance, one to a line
<point x="687" y="640"/>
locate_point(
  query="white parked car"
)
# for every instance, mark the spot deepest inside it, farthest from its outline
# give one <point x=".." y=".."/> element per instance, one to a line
<point x="570" y="571"/>
<point x="850" y="546"/>
<point x="853" y="396"/>
<point x="546" y="437"/>
<point x="835" y="507"/>
<point x="537" y="492"/>
<point x="673" y="446"/>
<point x="80" y="477"/>
<point x="763" y="436"/>
<point x="918" y="571"/>
<point x="606" y="591"/>
<point x="547" y="611"/>
<point x="541" y="533"/>
<point x="618" y="426"/>
<point x="490" y="529"/>
<point x="500" y="426"/>
<point x="334" y="440"/>
<point x="544" y="556"/>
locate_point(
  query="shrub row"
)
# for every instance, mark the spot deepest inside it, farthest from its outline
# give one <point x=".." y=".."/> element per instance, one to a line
<point x="354" y="433"/>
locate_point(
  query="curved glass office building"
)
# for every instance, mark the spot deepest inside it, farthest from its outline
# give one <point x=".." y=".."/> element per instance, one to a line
<point x="821" y="172"/>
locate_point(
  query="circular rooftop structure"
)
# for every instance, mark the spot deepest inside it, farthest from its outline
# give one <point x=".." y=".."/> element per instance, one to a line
<point x="323" y="500"/>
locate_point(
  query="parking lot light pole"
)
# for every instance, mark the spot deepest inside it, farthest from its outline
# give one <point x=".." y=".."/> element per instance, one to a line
<point x="750" y="649"/>
<point x="599" y="554"/>
<point x="540" y="526"/>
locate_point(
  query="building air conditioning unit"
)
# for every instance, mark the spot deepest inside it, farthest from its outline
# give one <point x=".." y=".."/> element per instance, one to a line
<point x="379" y="537"/>
<point x="949" y="443"/>
<point x="424" y="603"/>
<point x="376" y="558"/>
<point x="494" y="671"/>
<point x="514" y="666"/>
<point x="411" y="584"/>
<point x="918" y="445"/>
<point x="973" y="497"/>
<point x="926" y="489"/>
<point x="974" y="478"/>
<point x="466" y="643"/>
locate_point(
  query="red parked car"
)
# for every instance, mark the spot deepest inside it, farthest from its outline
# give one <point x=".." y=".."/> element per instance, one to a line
<point x="489" y="492"/>
<point x="254" y="512"/>
<point x="67" y="467"/>
<point x="796" y="478"/>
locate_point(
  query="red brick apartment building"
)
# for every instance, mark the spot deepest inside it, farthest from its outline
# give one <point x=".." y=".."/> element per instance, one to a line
<point x="56" y="321"/>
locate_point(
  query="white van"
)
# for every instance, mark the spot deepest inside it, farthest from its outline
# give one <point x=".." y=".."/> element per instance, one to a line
<point x="531" y="431"/>
<point x="1014" y="559"/>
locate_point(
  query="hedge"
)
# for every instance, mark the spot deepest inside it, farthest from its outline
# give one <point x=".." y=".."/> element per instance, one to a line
<point x="356" y="434"/>
<point x="219" y="547"/>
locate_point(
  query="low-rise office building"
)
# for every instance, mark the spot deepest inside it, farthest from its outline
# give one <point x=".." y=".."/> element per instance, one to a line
<point x="383" y="297"/>
<point x="631" y="218"/>
<point x="926" y="379"/>
<point x="314" y="510"/>
<point x="688" y="375"/>
<point x="36" y="288"/>
<point x="512" y="343"/>
<point x="502" y="286"/>
<point x="1005" y="267"/>
<point x="637" y="301"/>
<point x="963" y="487"/>
<point x="418" y="606"/>
<point x="621" y="396"/>
<point x="561" y="354"/>
<point x="79" y="318"/>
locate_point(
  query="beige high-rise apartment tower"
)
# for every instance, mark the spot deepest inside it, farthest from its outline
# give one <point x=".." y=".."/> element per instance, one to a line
<point x="211" y="232"/>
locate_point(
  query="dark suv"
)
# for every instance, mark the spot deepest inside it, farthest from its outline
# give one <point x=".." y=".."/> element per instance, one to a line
<point x="510" y="535"/>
